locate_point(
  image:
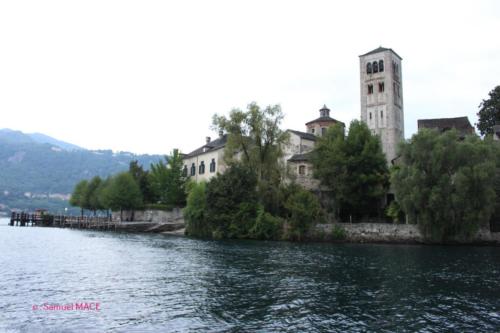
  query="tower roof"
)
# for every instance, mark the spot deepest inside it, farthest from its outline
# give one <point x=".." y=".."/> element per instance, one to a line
<point x="381" y="49"/>
<point x="324" y="113"/>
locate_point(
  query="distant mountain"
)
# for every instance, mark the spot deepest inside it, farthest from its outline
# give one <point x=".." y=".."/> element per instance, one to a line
<point x="42" y="138"/>
<point x="37" y="171"/>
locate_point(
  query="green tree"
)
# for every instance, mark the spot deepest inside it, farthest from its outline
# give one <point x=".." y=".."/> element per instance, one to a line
<point x="77" y="198"/>
<point x="123" y="193"/>
<point x="489" y="112"/>
<point x="256" y="140"/>
<point x="194" y="213"/>
<point x="142" y="179"/>
<point x="102" y="196"/>
<point x="304" y="210"/>
<point x="91" y="195"/>
<point x="445" y="184"/>
<point x="353" y="168"/>
<point x="231" y="202"/>
<point x="168" y="182"/>
<point x="159" y="180"/>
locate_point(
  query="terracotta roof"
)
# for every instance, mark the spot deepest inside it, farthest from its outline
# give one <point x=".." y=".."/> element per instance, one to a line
<point x="381" y="49"/>
<point x="304" y="135"/>
<point x="301" y="157"/>
<point x="211" y="146"/>
<point x="462" y="124"/>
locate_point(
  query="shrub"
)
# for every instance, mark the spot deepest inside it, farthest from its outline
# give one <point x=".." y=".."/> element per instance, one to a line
<point x="194" y="213"/>
<point x="303" y="210"/>
<point x="266" y="226"/>
<point x="231" y="202"/>
<point x="395" y="213"/>
<point x="338" y="232"/>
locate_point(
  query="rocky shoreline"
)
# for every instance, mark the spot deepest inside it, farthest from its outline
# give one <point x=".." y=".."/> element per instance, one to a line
<point x="172" y="223"/>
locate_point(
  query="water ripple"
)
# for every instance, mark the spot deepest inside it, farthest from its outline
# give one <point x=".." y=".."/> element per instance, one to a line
<point x="149" y="283"/>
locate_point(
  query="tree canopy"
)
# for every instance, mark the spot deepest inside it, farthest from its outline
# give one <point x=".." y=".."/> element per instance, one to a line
<point x="445" y="184"/>
<point x="77" y="198"/>
<point x="353" y="168"/>
<point x="489" y="112"/>
<point x="123" y="193"/>
<point x="168" y="182"/>
<point x="254" y="138"/>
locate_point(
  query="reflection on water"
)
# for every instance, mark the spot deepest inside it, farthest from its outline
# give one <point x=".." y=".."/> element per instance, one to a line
<point x="172" y="284"/>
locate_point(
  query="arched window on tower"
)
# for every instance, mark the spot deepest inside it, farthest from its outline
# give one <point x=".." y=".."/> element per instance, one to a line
<point x="370" y="89"/>
<point x="369" y="68"/>
<point x="381" y="65"/>
<point x="375" y="67"/>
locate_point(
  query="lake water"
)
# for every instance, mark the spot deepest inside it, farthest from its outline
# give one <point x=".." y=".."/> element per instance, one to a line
<point x="158" y="283"/>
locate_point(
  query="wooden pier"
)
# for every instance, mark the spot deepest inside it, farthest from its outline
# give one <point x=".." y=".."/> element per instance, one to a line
<point x="44" y="220"/>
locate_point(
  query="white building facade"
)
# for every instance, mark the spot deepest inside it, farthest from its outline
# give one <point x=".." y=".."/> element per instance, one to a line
<point x="207" y="161"/>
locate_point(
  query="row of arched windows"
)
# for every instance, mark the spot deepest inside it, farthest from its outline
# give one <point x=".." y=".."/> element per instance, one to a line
<point x="375" y="67"/>
<point x="201" y="168"/>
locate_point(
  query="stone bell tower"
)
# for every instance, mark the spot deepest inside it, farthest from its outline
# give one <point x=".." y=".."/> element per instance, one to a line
<point x="382" y="97"/>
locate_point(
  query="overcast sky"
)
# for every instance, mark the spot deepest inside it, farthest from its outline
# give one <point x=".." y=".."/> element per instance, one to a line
<point x="147" y="76"/>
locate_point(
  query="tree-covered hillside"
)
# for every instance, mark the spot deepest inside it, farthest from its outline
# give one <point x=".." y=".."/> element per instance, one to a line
<point x="30" y="168"/>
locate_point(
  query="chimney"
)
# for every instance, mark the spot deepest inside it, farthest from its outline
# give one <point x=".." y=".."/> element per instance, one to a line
<point x="208" y="139"/>
<point x="221" y="133"/>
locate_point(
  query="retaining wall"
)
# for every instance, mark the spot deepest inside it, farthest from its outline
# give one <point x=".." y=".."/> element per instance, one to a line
<point x="391" y="233"/>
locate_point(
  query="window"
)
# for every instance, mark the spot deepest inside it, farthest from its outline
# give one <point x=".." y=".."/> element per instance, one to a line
<point x="381" y="65"/>
<point x="381" y="87"/>
<point x="312" y="130"/>
<point x="370" y="116"/>
<point x="375" y="67"/>
<point x="193" y="170"/>
<point x="201" y="168"/>
<point x="381" y="114"/>
<point x="302" y="169"/>
<point x="369" y="68"/>
<point x="185" y="171"/>
<point x="370" y="89"/>
<point x="323" y="131"/>
<point x="212" y="165"/>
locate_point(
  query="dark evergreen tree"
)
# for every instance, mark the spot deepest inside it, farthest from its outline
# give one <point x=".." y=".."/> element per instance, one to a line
<point x="353" y="168"/>
<point x="141" y="177"/>
<point x="231" y="202"/>
<point x="489" y="112"/>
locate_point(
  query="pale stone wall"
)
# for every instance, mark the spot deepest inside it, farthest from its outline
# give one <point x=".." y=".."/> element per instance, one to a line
<point x="392" y="233"/>
<point x="296" y="145"/>
<point x="151" y="215"/>
<point x="376" y="232"/>
<point x="306" y="180"/>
